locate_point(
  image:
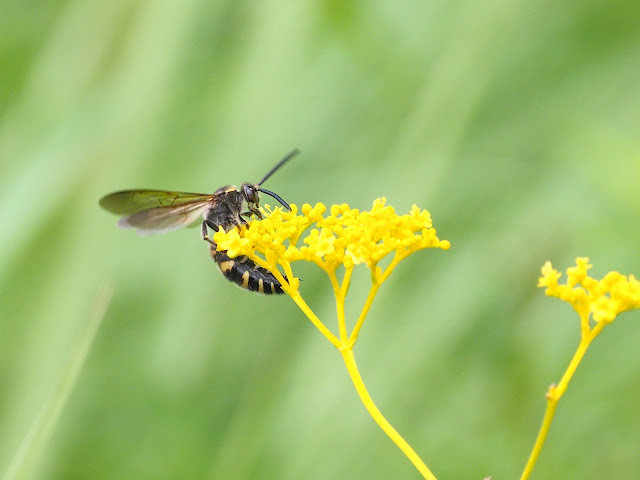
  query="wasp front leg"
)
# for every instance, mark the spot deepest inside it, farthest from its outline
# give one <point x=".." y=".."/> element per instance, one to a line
<point x="253" y="210"/>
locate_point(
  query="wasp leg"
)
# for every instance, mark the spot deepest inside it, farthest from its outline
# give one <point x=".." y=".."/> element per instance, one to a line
<point x="252" y="211"/>
<point x="205" y="234"/>
<point x="256" y="212"/>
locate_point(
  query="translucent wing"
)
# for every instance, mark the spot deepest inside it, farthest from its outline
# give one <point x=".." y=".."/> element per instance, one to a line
<point x="164" y="219"/>
<point x="127" y="202"/>
<point x="156" y="211"/>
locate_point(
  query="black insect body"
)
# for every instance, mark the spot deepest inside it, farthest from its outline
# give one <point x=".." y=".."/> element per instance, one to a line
<point x="227" y="213"/>
<point x="155" y="211"/>
<point x="244" y="272"/>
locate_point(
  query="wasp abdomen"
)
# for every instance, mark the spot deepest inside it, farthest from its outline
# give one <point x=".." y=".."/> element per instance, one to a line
<point x="246" y="274"/>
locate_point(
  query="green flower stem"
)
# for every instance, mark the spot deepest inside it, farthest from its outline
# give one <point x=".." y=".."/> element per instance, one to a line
<point x="555" y="394"/>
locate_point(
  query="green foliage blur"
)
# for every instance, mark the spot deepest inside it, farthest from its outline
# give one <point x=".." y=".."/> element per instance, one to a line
<point x="516" y="124"/>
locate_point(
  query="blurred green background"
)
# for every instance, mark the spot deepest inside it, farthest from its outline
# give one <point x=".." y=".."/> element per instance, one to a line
<point x="514" y="123"/>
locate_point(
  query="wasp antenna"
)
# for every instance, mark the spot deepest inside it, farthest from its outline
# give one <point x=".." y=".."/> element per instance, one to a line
<point x="276" y="196"/>
<point x="287" y="157"/>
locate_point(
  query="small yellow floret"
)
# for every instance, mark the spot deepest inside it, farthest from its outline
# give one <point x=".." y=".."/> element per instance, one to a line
<point x="602" y="299"/>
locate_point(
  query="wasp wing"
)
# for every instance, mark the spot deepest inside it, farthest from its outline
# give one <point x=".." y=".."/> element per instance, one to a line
<point x="164" y="219"/>
<point x="128" y="202"/>
<point x="156" y="211"/>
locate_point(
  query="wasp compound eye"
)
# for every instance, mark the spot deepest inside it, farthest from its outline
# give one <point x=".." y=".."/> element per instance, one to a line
<point x="250" y="192"/>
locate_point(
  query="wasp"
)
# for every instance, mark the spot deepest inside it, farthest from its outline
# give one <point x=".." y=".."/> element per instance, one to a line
<point x="156" y="211"/>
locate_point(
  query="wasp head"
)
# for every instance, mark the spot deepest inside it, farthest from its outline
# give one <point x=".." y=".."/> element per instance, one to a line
<point x="250" y="190"/>
<point x="251" y="196"/>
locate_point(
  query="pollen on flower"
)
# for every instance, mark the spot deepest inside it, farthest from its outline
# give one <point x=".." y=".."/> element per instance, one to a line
<point x="602" y="299"/>
<point x="232" y="242"/>
<point x="344" y="237"/>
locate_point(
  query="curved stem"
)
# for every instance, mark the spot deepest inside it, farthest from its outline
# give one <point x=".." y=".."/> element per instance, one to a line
<point x="363" y="314"/>
<point x="376" y="281"/>
<point x="542" y="436"/>
<point x="337" y="292"/>
<point x="394" y="263"/>
<point x="555" y="394"/>
<point x="346" y="281"/>
<point x="296" y="297"/>
<point x="344" y="345"/>
<point x="350" y="362"/>
<point x="314" y="319"/>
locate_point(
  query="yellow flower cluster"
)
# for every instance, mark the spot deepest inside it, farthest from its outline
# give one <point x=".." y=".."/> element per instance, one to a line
<point x="602" y="299"/>
<point x="345" y="237"/>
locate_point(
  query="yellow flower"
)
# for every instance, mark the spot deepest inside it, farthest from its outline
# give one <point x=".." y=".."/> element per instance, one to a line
<point x="598" y="303"/>
<point x="345" y="237"/>
<point x="600" y="300"/>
